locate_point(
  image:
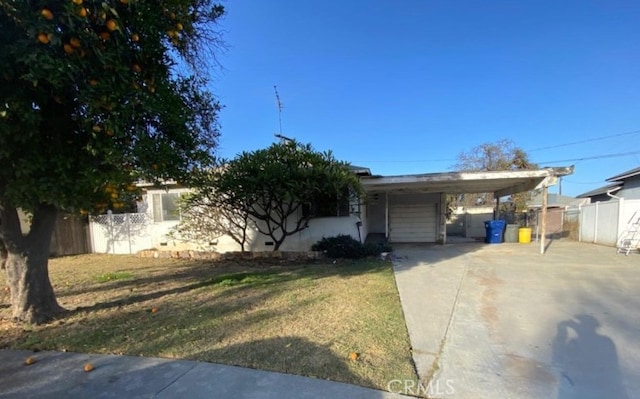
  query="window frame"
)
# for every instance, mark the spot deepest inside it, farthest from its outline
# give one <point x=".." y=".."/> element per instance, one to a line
<point x="158" y="212"/>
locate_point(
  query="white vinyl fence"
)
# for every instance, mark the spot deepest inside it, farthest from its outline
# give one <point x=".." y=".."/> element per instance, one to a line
<point x="605" y="222"/>
<point x="125" y="233"/>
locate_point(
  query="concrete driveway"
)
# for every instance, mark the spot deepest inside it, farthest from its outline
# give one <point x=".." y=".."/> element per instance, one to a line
<point x="503" y="321"/>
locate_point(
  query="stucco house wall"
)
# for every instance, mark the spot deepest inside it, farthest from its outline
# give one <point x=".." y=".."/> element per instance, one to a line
<point x="159" y="230"/>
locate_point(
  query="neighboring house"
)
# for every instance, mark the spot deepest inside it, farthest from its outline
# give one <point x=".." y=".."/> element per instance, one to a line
<point x="613" y="212"/>
<point x="601" y="194"/>
<point x="555" y="201"/>
<point x="624" y="185"/>
<point x="399" y="209"/>
<point x="630" y="181"/>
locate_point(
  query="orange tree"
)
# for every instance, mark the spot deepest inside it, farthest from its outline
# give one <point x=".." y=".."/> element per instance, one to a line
<point x="95" y="95"/>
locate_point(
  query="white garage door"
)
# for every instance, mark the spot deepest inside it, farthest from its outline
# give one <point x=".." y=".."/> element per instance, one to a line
<point x="412" y="222"/>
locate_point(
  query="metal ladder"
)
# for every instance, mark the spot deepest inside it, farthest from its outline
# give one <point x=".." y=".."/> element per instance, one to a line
<point x="630" y="238"/>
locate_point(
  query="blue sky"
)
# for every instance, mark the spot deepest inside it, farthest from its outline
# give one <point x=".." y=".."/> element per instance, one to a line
<point x="403" y="87"/>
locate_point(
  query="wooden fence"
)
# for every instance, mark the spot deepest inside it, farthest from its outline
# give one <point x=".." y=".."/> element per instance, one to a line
<point x="70" y="236"/>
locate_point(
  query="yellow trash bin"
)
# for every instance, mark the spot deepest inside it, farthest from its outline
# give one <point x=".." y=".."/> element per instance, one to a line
<point x="524" y="235"/>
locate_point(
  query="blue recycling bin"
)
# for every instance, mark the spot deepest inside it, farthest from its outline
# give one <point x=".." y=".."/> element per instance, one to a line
<point x="494" y="229"/>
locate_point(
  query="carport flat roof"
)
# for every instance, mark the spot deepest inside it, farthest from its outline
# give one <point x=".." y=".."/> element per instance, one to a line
<point x="501" y="183"/>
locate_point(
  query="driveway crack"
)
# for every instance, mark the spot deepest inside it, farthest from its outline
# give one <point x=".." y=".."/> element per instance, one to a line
<point x="175" y="379"/>
<point x="435" y="365"/>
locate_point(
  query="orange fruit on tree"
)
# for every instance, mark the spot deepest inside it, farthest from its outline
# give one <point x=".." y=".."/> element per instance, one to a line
<point x="68" y="48"/>
<point x="75" y="42"/>
<point x="135" y="37"/>
<point x="46" y="14"/>
<point x="29" y="361"/>
<point x="124" y="1"/>
<point x="77" y="2"/>
<point x="43" y="38"/>
<point x="88" y="367"/>
<point x="136" y="68"/>
<point x="104" y="35"/>
<point x="179" y="26"/>
<point x="111" y="25"/>
<point x="82" y="12"/>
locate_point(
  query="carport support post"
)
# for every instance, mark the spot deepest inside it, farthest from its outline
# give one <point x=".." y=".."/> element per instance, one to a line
<point x="386" y="215"/>
<point x="442" y="231"/>
<point x="543" y="216"/>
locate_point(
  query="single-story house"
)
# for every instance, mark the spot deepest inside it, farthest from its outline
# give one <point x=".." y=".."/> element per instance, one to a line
<point x="398" y="209"/>
<point x="624" y="185"/>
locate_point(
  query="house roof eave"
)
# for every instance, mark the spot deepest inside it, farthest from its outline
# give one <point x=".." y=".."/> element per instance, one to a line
<point x="601" y="190"/>
<point x="624" y="175"/>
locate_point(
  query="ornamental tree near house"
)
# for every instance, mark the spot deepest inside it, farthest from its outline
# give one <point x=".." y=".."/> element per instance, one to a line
<point x="91" y="101"/>
<point x="494" y="156"/>
<point x="276" y="190"/>
<point x="207" y="214"/>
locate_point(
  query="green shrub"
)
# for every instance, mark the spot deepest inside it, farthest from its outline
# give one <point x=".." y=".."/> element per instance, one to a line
<point x="345" y="246"/>
<point x="371" y="249"/>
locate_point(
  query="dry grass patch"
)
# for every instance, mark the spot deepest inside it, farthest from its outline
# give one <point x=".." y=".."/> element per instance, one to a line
<point x="298" y="319"/>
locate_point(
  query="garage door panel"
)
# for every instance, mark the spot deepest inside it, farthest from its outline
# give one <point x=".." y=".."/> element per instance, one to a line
<point x="412" y="222"/>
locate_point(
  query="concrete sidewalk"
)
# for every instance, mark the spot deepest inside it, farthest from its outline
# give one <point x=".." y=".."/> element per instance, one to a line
<point x="61" y="375"/>
<point x="504" y="321"/>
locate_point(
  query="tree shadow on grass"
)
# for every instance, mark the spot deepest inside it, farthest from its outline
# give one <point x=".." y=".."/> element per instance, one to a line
<point x="227" y="318"/>
<point x="191" y="272"/>
<point x="239" y="281"/>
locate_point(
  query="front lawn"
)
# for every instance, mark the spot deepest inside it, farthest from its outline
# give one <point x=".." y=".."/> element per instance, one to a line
<point x="298" y="319"/>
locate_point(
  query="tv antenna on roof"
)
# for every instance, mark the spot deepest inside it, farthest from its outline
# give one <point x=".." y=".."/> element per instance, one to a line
<point x="279" y="108"/>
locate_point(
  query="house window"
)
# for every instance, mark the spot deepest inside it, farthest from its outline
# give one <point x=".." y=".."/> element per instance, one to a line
<point x="329" y="205"/>
<point x="165" y="207"/>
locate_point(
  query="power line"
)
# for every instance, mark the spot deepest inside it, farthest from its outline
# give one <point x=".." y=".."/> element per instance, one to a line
<point x="620" y="154"/>
<point x="534" y="150"/>
<point x="585" y="141"/>
<point x="405" y="160"/>
<point x="581" y="182"/>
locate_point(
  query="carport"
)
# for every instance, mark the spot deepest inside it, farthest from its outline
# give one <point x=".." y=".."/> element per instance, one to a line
<point x="412" y="208"/>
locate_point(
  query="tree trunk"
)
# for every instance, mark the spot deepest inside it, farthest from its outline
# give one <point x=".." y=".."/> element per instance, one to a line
<point x="32" y="297"/>
<point x="3" y="255"/>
